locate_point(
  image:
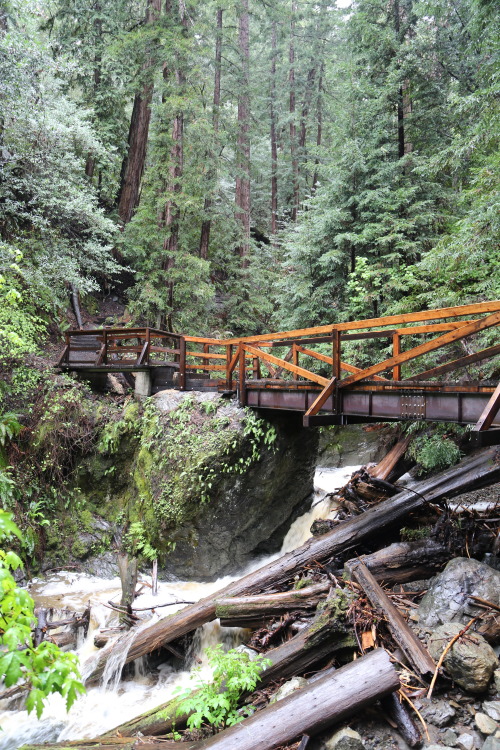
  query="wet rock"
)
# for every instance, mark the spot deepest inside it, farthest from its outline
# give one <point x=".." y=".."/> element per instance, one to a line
<point x="288" y="688"/>
<point x="450" y="738"/>
<point x="492" y="708"/>
<point x="491" y="743"/>
<point x="435" y="746"/>
<point x="448" y="597"/>
<point x="437" y="712"/>
<point x="465" y="742"/>
<point x="322" y="526"/>
<point x="485" y="723"/>
<point x="345" y="739"/>
<point x="496" y="677"/>
<point x="471" y="660"/>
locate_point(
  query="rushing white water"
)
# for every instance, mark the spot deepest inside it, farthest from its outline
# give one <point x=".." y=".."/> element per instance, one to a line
<point x="117" y="701"/>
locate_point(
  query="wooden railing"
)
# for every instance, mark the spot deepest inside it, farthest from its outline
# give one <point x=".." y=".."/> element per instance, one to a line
<point x="312" y="358"/>
<point x="124" y="347"/>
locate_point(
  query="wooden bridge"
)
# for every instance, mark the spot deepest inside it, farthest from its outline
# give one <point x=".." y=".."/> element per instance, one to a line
<point x="308" y="371"/>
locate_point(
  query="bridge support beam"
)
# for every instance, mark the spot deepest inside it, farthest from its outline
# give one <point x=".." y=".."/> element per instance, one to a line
<point x="143" y="384"/>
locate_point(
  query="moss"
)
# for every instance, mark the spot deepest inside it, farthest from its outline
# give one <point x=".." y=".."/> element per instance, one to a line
<point x="302" y="583"/>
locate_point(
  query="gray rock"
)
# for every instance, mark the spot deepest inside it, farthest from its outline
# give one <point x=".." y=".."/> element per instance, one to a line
<point x="345" y="739"/>
<point x="471" y="660"/>
<point x="450" y="737"/>
<point x="288" y="688"/>
<point x="496" y="677"/>
<point x="465" y="742"/>
<point x="447" y="599"/>
<point x="437" y="712"/>
<point x="351" y="445"/>
<point x="436" y="746"/>
<point x="485" y="723"/>
<point x="491" y="743"/>
<point x="492" y="708"/>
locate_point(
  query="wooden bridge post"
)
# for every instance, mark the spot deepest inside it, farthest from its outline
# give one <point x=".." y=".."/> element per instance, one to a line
<point x="105" y="346"/>
<point x="182" y="363"/>
<point x="295" y="355"/>
<point x="229" y="375"/>
<point x="396" y="350"/>
<point x="242" y="387"/>
<point x="336" y="354"/>
<point x="148" y="342"/>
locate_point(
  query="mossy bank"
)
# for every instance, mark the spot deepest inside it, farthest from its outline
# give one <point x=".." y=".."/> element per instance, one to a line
<point x="192" y="479"/>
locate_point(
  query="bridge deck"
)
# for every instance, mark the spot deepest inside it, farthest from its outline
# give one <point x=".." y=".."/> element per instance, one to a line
<point x="307" y="370"/>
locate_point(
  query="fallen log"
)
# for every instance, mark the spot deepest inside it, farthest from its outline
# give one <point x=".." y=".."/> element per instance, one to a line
<point x="311" y="709"/>
<point x="114" y="743"/>
<point x="325" y="636"/>
<point x="406" y="639"/>
<point x="477" y="470"/>
<point x="255" y="611"/>
<point x="384" y="468"/>
<point x="405" y="561"/>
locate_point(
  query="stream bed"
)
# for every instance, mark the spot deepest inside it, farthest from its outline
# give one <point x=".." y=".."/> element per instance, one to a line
<point x="115" y="701"/>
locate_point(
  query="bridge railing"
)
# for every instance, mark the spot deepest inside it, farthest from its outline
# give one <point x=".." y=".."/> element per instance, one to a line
<point x="129" y="348"/>
<point x="314" y="357"/>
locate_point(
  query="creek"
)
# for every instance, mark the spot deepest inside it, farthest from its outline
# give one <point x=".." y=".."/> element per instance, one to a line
<point x="118" y="700"/>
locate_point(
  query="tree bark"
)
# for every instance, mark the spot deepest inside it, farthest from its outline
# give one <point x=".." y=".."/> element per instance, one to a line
<point x="293" y="127"/>
<point x="254" y="611"/>
<point x="207" y="223"/>
<point x="405" y="561"/>
<point x="243" y="158"/>
<point x="319" y="126"/>
<point x="478" y="470"/>
<point x="133" y="164"/>
<point x="406" y="639"/>
<point x="274" y="140"/>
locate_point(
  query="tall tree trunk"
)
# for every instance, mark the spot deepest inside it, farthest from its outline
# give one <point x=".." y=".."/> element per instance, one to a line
<point x="319" y="125"/>
<point x="306" y="103"/>
<point x="293" y="127"/>
<point x="206" y="225"/>
<point x="274" y="142"/>
<point x="133" y="164"/>
<point x="171" y="213"/>
<point x="243" y="163"/>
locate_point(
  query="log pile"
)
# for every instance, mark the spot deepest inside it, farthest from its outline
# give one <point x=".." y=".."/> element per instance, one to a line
<point x="314" y="630"/>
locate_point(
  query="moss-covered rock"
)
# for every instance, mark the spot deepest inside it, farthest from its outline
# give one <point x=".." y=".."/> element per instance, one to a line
<point x="202" y="483"/>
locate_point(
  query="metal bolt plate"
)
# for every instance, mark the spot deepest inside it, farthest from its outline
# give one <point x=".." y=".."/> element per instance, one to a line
<point x="413" y="406"/>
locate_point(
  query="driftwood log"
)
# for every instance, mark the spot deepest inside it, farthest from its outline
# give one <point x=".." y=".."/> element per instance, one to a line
<point x="405" y="561"/>
<point x="255" y="611"/>
<point x="397" y="711"/>
<point x="476" y="471"/>
<point x="406" y="639"/>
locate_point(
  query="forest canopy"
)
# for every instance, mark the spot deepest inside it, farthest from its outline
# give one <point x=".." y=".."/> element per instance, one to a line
<point x="242" y="165"/>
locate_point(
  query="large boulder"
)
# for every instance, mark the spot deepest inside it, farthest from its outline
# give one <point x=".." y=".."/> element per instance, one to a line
<point x="448" y="597"/>
<point x="206" y="485"/>
<point x="470" y="661"/>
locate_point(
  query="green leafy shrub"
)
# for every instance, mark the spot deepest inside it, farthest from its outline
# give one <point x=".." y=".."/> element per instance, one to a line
<point x="216" y="702"/>
<point x="433" y="452"/>
<point x="44" y="669"/>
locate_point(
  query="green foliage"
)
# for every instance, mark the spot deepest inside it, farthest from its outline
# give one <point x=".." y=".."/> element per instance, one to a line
<point x="136" y="542"/>
<point x="44" y="668"/>
<point x="216" y="702"/>
<point x="436" y="450"/>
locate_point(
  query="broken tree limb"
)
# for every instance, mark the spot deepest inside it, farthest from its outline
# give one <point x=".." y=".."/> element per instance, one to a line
<point x="397" y="711"/>
<point x="478" y="470"/>
<point x="254" y="611"/>
<point x="404" y="561"/>
<point x="383" y="469"/>
<point x="406" y="639"/>
<point x="113" y="743"/>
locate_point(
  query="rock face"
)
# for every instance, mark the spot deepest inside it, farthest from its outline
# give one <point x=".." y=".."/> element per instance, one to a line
<point x="351" y="445"/>
<point x="448" y="597"/>
<point x="471" y="660"/>
<point x="210" y="486"/>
